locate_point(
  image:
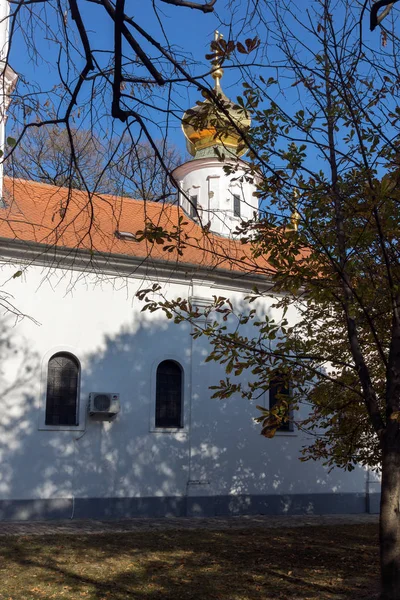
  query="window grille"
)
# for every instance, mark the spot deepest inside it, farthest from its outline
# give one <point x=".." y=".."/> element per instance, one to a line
<point x="169" y="394"/>
<point x="62" y="390"/>
<point x="193" y="206"/>
<point x="279" y="389"/>
<point x="236" y="205"/>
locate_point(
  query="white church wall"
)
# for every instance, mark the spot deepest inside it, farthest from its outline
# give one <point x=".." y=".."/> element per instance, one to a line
<point x="216" y="463"/>
<point x="230" y="458"/>
<point x="118" y="348"/>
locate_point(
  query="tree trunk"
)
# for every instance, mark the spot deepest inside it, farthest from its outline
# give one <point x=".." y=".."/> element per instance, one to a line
<point x="389" y="529"/>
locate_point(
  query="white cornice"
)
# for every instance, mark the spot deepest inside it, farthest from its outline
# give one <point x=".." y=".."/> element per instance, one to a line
<point x="179" y="173"/>
<point x="203" y="163"/>
<point x="121" y="265"/>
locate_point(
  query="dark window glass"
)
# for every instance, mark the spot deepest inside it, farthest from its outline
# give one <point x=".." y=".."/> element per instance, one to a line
<point x="278" y="388"/>
<point x="169" y="395"/>
<point x="62" y="390"/>
<point x="236" y="205"/>
<point x="193" y="206"/>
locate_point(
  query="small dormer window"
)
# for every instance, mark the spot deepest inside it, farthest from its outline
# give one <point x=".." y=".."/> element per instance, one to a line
<point x="125" y="235"/>
<point x="236" y="205"/>
<point x="193" y="206"/>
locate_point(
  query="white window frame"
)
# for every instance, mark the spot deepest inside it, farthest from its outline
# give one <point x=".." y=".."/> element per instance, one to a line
<point x="185" y="396"/>
<point x="81" y="405"/>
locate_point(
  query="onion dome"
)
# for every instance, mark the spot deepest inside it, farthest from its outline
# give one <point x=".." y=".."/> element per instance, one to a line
<point x="207" y="126"/>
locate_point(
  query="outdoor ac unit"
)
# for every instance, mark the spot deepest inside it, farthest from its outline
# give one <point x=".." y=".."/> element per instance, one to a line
<point x="105" y="404"/>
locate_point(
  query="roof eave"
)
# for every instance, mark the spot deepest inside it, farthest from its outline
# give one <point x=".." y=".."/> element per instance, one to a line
<point x="126" y="265"/>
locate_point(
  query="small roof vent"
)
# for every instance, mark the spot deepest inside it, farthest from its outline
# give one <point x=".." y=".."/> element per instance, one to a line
<point x="125" y="235"/>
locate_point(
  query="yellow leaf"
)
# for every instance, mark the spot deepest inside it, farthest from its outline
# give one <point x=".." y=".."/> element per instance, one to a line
<point x="268" y="431"/>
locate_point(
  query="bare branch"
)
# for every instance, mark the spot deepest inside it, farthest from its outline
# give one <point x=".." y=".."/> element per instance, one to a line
<point x="205" y="8"/>
<point x="376" y="19"/>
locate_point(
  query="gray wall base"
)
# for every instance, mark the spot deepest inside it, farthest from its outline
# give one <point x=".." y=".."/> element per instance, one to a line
<point x="127" y="508"/>
<point x="374" y="503"/>
<point x="35" y="510"/>
<point x="295" y="504"/>
<point x="200" y="506"/>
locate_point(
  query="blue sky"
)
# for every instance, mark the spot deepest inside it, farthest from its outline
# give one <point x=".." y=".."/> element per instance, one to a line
<point x="189" y="31"/>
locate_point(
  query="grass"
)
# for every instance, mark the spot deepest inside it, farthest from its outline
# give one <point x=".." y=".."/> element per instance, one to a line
<point x="307" y="563"/>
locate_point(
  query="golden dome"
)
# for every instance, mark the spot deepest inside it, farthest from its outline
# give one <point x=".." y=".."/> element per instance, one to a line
<point x="206" y="125"/>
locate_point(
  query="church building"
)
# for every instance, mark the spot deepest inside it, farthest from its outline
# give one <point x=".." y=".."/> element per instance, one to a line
<point x="107" y="410"/>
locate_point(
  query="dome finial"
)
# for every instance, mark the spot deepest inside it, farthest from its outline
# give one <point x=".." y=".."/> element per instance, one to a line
<point x="217" y="70"/>
<point x="209" y="124"/>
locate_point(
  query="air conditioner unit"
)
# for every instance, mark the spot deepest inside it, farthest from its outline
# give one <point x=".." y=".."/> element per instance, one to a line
<point x="104" y="404"/>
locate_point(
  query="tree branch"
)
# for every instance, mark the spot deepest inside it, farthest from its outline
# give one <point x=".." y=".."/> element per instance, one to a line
<point x="205" y="8"/>
<point x="376" y="19"/>
<point x="118" y="23"/>
<point x="132" y="42"/>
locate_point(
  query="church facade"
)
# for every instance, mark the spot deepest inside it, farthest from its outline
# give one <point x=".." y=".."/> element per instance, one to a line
<point x="107" y="410"/>
<point x="169" y="449"/>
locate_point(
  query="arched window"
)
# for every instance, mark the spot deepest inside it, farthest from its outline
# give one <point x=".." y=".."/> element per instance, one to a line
<point x="62" y="390"/>
<point x="279" y="390"/>
<point x="169" y="394"/>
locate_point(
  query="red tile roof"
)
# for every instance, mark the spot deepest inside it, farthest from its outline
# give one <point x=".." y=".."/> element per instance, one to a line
<point x="60" y="217"/>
